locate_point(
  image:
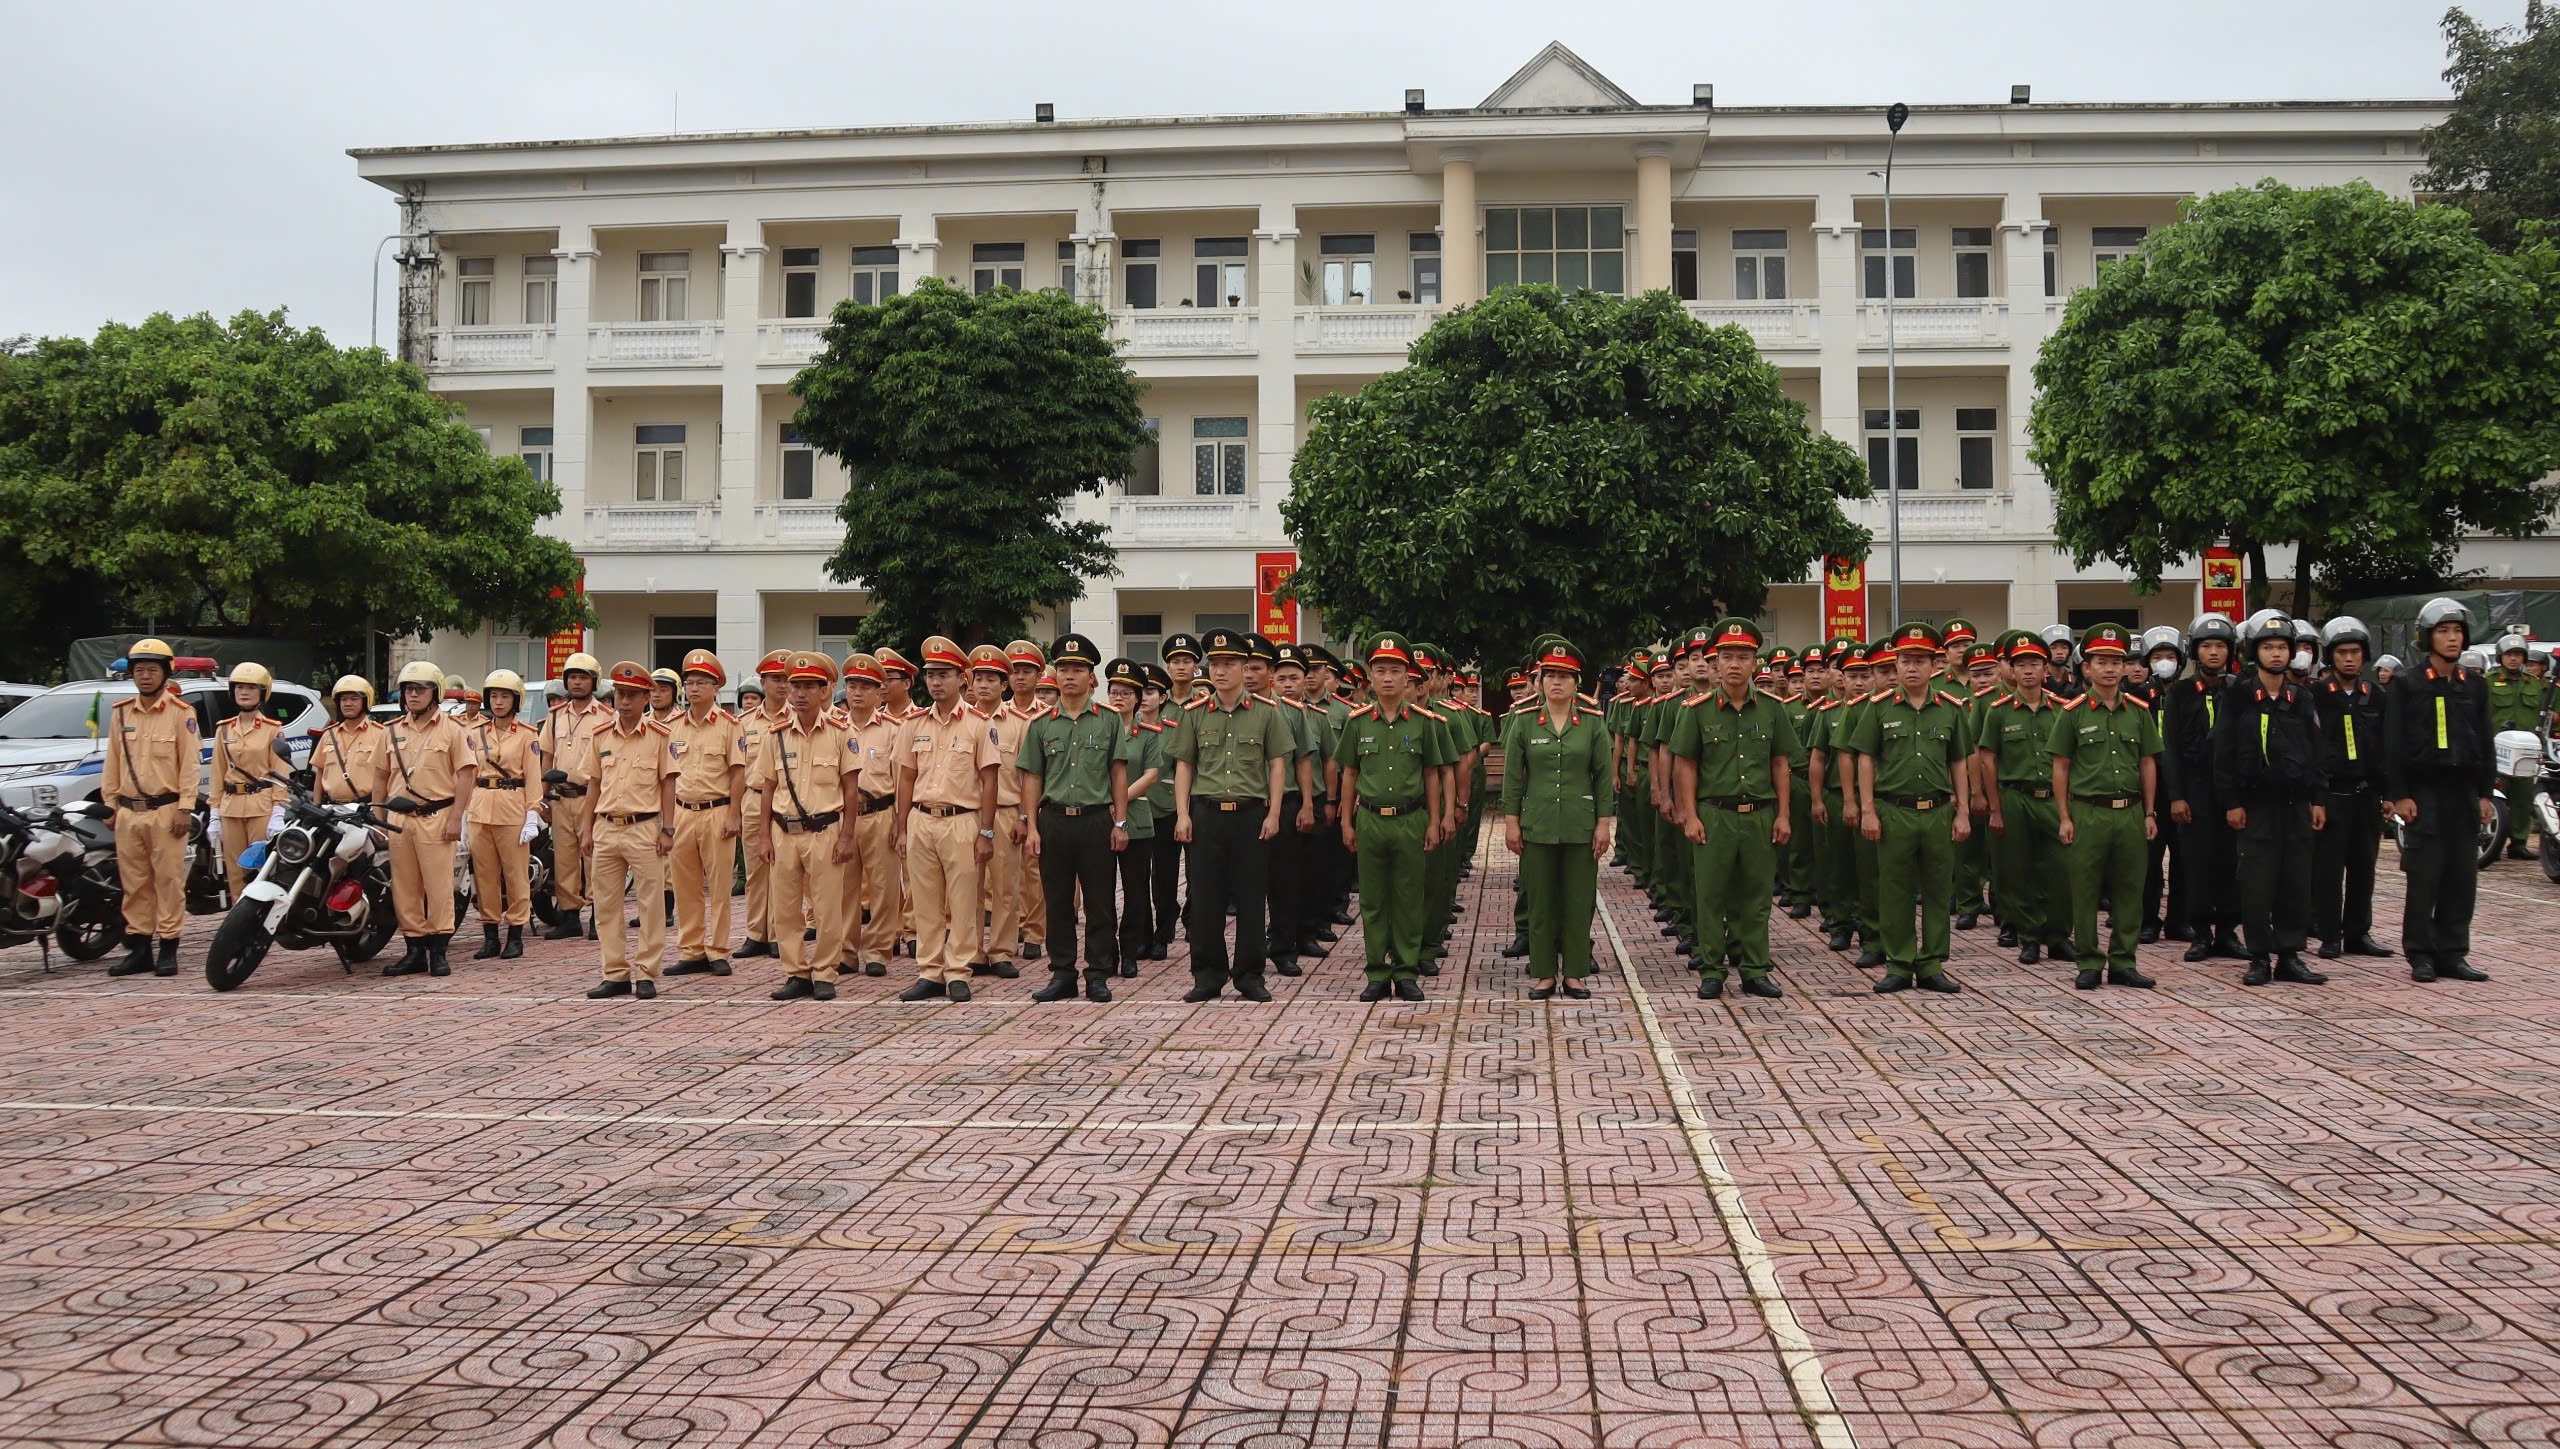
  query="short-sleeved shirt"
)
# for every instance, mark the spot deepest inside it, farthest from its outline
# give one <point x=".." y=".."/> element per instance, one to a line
<point x="629" y="765"/>
<point x="755" y="726"/>
<point x="568" y="742"/>
<point x="346" y="760"/>
<point x="1071" y="754"/>
<point x="501" y="752"/>
<point x="1391" y="754"/>
<point x="705" y="751"/>
<point x="426" y="761"/>
<point x="1159" y="796"/>
<point x="1230" y="750"/>
<point x="1738" y="747"/>
<point x="1139" y="747"/>
<point x="1011" y="724"/>
<point x="2106" y="746"/>
<point x="801" y="768"/>
<point x="1555" y="775"/>
<point x="875" y="741"/>
<point x="2017" y="736"/>
<point x="155" y="750"/>
<point x="947" y="754"/>
<point x="1800" y="719"/>
<point x="1915" y="747"/>
<point x="244" y="764"/>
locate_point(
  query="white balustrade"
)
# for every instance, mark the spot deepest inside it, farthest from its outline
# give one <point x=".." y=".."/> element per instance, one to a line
<point x="812" y="524"/>
<point x="1383" y="329"/>
<point x="1772" y="325"/>
<point x="1940" y="517"/>
<point x="653" y="344"/>
<point x="1186" y="332"/>
<point x="794" y="341"/>
<point x="671" y="526"/>
<point x="1181" y="520"/>
<point x="492" y="349"/>
<point x="1939" y="324"/>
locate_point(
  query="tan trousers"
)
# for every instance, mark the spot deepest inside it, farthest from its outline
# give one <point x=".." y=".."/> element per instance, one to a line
<point x="759" y="874"/>
<point x="422" y="875"/>
<point x="629" y="852"/>
<point x="1031" y="907"/>
<point x="807" y="882"/>
<point x="942" y="884"/>
<point x="501" y="872"/>
<point x="883" y="887"/>
<point x="568" y="868"/>
<point x="152" y="864"/>
<point x="239" y="832"/>
<point x="1002" y="887"/>
<point x="700" y="864"/>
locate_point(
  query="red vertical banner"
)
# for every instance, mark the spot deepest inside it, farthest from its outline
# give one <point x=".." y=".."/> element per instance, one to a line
<point x="1844" y="599"/>
<point x="1276" y="618"/>
<point x="2222" y="590"/>
<point x="560" y="646"/>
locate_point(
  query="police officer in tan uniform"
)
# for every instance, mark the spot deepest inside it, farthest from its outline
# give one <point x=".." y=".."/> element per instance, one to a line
<point x="946" y="825"/>
<point x="710" y="750"/>
<point x="152" y="773"/>
<point x="245" y="768"/>
<point x="872" y="932"/>
<point x="346" y="758"/>
<point x="1034" y="692"/>
<point x="897" y="701"/>
<point x="567" y="744"/>
<point x="1001" y="885"/>
<point x="429" y="765"/>
<point x="629" y="834"/>
<point x="666" y="694"/>
<point x="807" y="768"/>
<point x="755" y="726"/>
<point x="505" y="764"/>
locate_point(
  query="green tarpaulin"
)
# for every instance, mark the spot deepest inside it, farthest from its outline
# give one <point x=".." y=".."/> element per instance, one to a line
<point x="286" y="660"/>
<point x="2393" y="619"/>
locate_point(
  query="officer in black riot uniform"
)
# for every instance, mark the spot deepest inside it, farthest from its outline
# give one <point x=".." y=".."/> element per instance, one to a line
<point x="2267" y="777"/>
<point x="2351" y="738"/>
<point x="2437" y="773"/>
<point x="2210" y="845"/>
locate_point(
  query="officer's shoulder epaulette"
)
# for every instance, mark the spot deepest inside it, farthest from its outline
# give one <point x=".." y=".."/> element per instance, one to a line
<point x="1951" y="697"/>
<point x="2135" y="699"/>
<point x="1360" y="710"/>
<point x="656" y="724"/>
<point x="2074" y="701"/>
<point x="1589" y="701"/>
<point x="1772" y="695"/>
<point x="1425" y="712"/>
<point x="1877" y="697"/>
<point x="1159" y="727"/>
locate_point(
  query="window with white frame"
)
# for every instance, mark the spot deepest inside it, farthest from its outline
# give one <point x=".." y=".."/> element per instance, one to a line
<point x="475" y="299"/>
<point x="875" y="274"/>
<point x="799" y="467"/>
<point x="1900" y="260"/>
<point x="1142" y="637"/>
<point x="1203" y="623"/>
<point x="2113" y="244"/>
<point x="1900" y="445"/>
<point x="1973" y="261"/>
<point x="657" y="468"/>
<point x="1146" y="469"/>
<point x="1572" y="247"/>
<point x="1684" y="265"/>
<point x="835" y="634"/>
<point x="993" y="265"/>
<point x="526" y="654"/>
<point x="1138" y="273"/>
<point x="1350" y="268"/>
<point x="1425" y="247"/>
<point x="534" y="446"/>
<point x="1977" y="447"/>
<point x="1067" y="269"/>
<point x="1760" y="264"/>
<point x="664" y="277"/>
<point x="485" y="434"/>
<point x="2053" y="261"/>
<point x="799" y="281"/>
<point x="1217" y="457"/>
<point x="541" y="290"/>
<point x="1218" y="272"/>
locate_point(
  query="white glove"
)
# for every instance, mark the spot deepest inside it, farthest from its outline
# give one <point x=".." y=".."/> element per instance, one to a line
<point x="213" y="832"/>
<point x="275" y="820"/>
<point x="532" y="827"/>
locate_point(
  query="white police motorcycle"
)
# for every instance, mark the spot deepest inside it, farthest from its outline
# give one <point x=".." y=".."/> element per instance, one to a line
<point x="323" y="875"/>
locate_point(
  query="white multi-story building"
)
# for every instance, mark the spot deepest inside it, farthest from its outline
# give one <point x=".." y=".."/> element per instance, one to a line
<point x="628" y="314"/>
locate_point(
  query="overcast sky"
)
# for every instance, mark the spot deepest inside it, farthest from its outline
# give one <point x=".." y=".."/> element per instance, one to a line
<point x="192" y="157"/>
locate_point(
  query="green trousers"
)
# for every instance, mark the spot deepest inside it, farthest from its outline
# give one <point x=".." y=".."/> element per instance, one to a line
<point x="1864" y="854"/>
<point x="1391" y="890"/>
<point x="1559" y="883"/>
<point x="2519" y="792"/>
<point x="2106" y="857"/>
<point x="1972" y="866"/>
<point x="1734" y="872"/>
<point x="1635" y="829"/>
<point x="1439" y="894"/>
<point x="1670" y="864"/>
<point x="2035" y="891"/>
<point x="1836" y="872"/>
<point x="1915" y="865"/>
<point x="1795" y="861"/>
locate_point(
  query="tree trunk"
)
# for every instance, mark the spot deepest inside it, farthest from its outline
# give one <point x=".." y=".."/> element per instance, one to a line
<point x="2256" y="593"/>
<point x="2304" y="554"/>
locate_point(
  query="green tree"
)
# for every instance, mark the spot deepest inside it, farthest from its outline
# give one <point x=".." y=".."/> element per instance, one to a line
<point x="2497" y="155"/>
<point x="2357" y="376"/>
<point x="1609" y="468"/>
<point x="252" y="479"/>
<point x="968" y="423"/>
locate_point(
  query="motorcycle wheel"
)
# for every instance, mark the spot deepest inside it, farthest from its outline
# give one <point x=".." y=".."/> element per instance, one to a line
<point x="89" y="931"/>
<point x="2550" y="858"/>
<point x="2493" y="836"/>
<point x="239" y="944"/>
<point x="379" y="927"/>
<point x="545" y="908"/>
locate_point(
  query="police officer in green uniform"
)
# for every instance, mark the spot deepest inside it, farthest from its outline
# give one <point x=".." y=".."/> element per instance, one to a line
<point x="1692" y="656"/>
<point x="1142" y="758"/>
<point x="1557" y="811"/>
<point x="1635" y="685"/>
<point x="2437" y="770"/>
<point x="2518" y="700"/>
<point x="2106" y="771"/>
<point x="1914" y="803"/>
<point x="1835" y="858"/>
<point x="1796" y="862"/>
<point x="2014" y="746"/>
<point x="1440" y="857"/>
<point x="1230" y="753"/>
<point x="1730" y="753"/>
<point x="1394" y="758"/>
<point x="1075" y="765"/>
<point x="1875" y="673"/>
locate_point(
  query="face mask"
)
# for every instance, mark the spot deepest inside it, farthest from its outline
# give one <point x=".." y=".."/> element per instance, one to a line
<point x="2164" y="668"/>
<point x="2302" y="661"/>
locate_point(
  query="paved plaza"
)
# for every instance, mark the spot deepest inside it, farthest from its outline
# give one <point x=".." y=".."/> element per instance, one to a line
<point x="342" y="1210"/>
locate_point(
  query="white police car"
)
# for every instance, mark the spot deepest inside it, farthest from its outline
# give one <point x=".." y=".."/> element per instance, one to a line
<point x="48" y="755"/>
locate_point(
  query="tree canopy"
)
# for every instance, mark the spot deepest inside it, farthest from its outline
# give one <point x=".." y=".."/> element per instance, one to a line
<point x="2498" y="155"/>
<point x="1608" y="468"/>
<point x="251" y="479"/>
<point x="2360" y="377"/>
<point x="969" y="422"/>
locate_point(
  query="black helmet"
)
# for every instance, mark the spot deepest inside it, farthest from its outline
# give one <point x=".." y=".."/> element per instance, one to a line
<point x="2211" y="626"/>
<point x="2344" y="629"/>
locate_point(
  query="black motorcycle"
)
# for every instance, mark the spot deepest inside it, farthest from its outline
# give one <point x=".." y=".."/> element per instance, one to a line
<point x="59" y="871"/>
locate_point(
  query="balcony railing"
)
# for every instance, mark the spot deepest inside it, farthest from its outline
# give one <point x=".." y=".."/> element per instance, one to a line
<point x="793" y="341"/>
<point x="1182" y="520"/>
<point x="1772" y="325"/>
<point x="652" y="525"/>
<point x="492" y="349"/>
<point x="1382" y="329"/>
<point x="1186" y="332"/>
<point x="1942" y="517"/>
<point x="653" y="344"/>
<point x="1966" y="323"/>
<point x="800" y="522"/>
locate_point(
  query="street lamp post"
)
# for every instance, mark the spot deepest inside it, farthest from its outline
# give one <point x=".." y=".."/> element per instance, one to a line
<point x="1894" y="116"/>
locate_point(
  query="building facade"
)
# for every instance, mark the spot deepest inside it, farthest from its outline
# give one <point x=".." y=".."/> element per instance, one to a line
<point x="627" y="315"/>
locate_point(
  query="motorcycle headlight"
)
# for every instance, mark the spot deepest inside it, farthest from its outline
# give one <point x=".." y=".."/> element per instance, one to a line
<point x="293" y="847"/>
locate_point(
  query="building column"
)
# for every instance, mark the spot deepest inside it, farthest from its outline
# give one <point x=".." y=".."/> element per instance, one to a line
<point x="1836" y="277"/>
<point x="1653" y="217"/>
<point x="2022" y="248"/>
<point x="1461" y="248"/>
<point x="1275" y="369"/>
<point x="917" y="245"/>
<point x="1096" y="615"/>
<point x="572" y="413"/>
<point x="738" y="631"/>
<point x="741" y="409"/>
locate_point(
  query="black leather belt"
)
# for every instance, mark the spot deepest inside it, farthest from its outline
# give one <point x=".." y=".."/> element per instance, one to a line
<point x="568" y="792"/>
<point x="2033" y="792"/>
<point x="237" y="789"/>
<point x="879" y="802"/>
<point x="1915" y="802"/>
<point x="1227" y="805"/>
<point x="714" y="803"/>
<point x="1071" y="811"/>
<point x="809" y="823"/>
<point x="501" y="782"/>
<point x="943" y="812"/>
<point x="1741" y="807"/>
<point x="431" y="807"/>
<point x="146" y="802"/>
<point x="1390" y="812"/>
<point x="631" y="819"/>
<point x="2111" y="802"/>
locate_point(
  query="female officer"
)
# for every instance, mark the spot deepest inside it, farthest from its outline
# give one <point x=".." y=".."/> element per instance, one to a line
<point x="1557" y="808"/>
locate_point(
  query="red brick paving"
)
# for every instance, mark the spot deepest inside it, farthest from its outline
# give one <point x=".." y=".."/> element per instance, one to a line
<point x="342" y="1210"/>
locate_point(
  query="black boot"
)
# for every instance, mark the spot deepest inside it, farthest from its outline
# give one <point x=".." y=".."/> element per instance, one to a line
<point x="1408" y="990"/>
<point x="1842" y="939"/>
<point x="2289" y="967"/>
<point x="1061" y="987"/>
<point x="2062" y="951"/>
<point x="793" y="988"/>
<point x="435" y="954"/>
<point x="2149" y="933"/>
<point x="1515" y="948"/>
<point x="690" y="966"/>
<point x="1710" y="987"/>
<point x="1097" y="986"/>
<point x="2258" y="974"/>
<point x="1871" y="958"/>
<point x="489" y="946"/>
<point x="2007" y="940"/>
<point x="2129" y="976"/>
<point x="168" y="962"/>
<point x="2089" y="978"/>
<point x="1375" y="991"/>
<point x="1801" y="910"/>
<point x="515" y="944"/>
<point x="2365" y="945"/>
<point x="1758" y="984"/>
<point x="2421" y="969"/>
<point x="2030" y="953"/>
<point x="137" y="957"/>
<point x="566" y="928"/>
<point x="412" y="961"/>
<point x="2201" y="950"/>
<point x="1287" y="966"/>
<point x="593" y="912"/>
<point x="2332" y="949"/>
<point x="924" y="991"/>
<point x="1968" y="920"/>
<point x="2455" y="969"/>
<point x="2226" y="944"/>
<point x="605" y="990"/>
